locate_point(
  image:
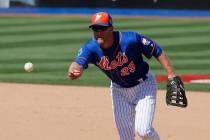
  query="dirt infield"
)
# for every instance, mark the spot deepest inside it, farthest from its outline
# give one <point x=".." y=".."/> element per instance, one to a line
<point x="46" y="112"/>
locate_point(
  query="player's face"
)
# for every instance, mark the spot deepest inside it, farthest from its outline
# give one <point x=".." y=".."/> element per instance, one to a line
<point x="102" y="33"/>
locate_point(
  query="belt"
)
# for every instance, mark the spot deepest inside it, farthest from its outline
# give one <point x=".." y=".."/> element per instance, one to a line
<point x="140" y="80"/>
<point x="143" y="78"/>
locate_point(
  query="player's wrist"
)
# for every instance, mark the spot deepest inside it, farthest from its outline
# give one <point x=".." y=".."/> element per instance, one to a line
<point x="171" y="76"/>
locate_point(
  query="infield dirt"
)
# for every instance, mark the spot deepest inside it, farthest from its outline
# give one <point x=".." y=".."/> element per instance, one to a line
<point x="50" y="112"/>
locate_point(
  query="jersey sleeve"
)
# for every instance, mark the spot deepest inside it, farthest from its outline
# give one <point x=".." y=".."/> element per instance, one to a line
<point x="148" y="47"/>
<point x="84" y="56"/>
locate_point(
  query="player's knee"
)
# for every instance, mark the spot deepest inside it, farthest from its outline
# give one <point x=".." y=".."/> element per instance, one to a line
<point x="145" y="133"/>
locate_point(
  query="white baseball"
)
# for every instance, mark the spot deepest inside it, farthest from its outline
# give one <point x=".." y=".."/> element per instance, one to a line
<point x="28" y="67"/>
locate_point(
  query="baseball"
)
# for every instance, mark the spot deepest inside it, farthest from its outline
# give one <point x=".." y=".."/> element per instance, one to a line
<point x="28" y="67"/>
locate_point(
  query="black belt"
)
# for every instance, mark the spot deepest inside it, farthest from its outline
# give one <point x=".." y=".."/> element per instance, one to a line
<point x="143" y="78"/>
<point x="140" y="80"/>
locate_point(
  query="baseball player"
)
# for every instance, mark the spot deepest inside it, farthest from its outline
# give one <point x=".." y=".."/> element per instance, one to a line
<point x="133" y="86"/>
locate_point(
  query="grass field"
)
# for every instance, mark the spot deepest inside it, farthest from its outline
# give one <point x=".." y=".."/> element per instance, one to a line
<point x="51" y="43"/>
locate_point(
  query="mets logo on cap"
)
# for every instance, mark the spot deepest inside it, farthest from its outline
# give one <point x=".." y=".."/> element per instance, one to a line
<point x="101" y="19"/>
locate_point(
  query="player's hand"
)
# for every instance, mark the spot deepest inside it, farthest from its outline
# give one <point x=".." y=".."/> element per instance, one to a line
<point x="75" y="71"/>
<point x="74" y="75"/>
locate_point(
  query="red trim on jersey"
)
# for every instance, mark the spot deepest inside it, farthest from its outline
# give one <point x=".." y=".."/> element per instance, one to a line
<point x="115" y="54"/>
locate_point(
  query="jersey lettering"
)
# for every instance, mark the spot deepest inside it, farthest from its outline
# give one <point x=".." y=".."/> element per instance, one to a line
<point x="121" y="59"/>
<point x="131" y="68"/>
<point x="105" y="64"/>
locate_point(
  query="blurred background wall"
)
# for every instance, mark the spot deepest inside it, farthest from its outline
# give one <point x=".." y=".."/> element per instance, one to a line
<point x="18" y="3"/>
<point x="152" y="4"/>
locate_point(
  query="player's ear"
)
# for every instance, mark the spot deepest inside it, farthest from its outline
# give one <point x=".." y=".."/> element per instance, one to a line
<point x="111" y="28"/>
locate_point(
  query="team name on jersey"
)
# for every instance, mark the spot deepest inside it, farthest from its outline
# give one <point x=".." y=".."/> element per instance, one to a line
<point x="120" y="60"/>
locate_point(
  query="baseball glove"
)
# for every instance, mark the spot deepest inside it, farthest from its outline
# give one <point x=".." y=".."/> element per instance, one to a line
<point x="175" y="94"/>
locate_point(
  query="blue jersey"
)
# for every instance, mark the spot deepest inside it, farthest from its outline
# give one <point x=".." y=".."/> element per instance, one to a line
<point x="123" y="62"/>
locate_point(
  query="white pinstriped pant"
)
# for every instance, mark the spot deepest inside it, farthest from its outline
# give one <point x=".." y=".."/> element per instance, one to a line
<point x="134" y="109"/>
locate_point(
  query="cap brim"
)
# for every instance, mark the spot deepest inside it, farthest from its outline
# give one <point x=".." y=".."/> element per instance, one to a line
<point x="99" y="24"/>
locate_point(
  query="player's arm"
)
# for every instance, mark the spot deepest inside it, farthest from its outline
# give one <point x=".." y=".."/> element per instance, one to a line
<point x="175" y="94"/>
<point x="151" y="48"/>
<point x="75" y="71"/>
<point x="175" y="91"/>
<point x="80" y="63"/>
<point x="165" y="62"/>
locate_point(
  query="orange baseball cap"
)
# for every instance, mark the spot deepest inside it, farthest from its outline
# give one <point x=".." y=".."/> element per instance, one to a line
<point x="101" y="19"/>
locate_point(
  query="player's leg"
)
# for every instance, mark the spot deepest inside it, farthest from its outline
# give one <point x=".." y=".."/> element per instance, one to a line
<point x="144" y="118"/>
<point x="145" y="109"/>
<point x="124" y="114"/>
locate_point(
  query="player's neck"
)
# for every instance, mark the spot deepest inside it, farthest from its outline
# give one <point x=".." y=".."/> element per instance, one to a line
<point x="109" y="42"/>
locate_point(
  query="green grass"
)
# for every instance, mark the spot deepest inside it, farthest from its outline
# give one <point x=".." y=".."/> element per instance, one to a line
<point x="51" y="44"/>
